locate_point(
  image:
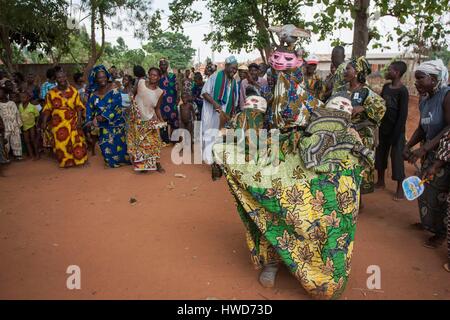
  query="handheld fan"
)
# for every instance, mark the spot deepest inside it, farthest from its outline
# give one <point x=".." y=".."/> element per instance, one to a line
<point x="413" y="187"/>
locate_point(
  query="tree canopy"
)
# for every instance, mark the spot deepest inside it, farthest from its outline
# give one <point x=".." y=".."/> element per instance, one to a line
<point x="45" y="30"/>
<point x="32" y="25"/>
<point x="172" y="45"/>
<point x="243" y="24"/>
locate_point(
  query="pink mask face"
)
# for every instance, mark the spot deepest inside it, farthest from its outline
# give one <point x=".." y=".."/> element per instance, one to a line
<point x="283" y="60"/>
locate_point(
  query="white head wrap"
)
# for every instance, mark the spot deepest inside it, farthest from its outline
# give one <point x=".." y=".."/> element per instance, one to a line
<point x="169" y="68"/>
<point x="435" y="68"/>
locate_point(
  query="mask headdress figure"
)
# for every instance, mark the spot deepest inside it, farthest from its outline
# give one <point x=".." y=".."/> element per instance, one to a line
<point x="286" y="56"/>
<point x="291" y="103"/>
<point x="292" y="162"/>
<point x="284" y="59"/>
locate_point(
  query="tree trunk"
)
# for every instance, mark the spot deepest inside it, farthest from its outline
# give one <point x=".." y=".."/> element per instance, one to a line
<point x="360" y="28"/>
<point x="93" y="49"/>
<point x="7" y="53"/>
<point x="262" y="29"/>
<point x="263" y="56"/>
<point x="102" y="46"/>
<point x="95" y="54"/>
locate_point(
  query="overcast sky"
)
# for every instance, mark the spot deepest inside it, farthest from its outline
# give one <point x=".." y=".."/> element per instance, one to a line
<point x="197" y="31"/>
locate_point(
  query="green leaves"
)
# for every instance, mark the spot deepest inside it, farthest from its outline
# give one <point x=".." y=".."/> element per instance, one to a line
<point x="175" y="46"/>
<point x="331" y="10"/>
<point x="30" y="25"/>
<point x="181" y="12"/>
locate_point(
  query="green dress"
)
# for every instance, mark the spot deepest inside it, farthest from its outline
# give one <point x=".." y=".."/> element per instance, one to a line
<point x="304" y="218"/>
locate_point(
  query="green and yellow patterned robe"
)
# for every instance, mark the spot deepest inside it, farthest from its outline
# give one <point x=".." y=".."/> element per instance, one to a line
<point x="367" y="124"/>
<point x="301" y="217"/>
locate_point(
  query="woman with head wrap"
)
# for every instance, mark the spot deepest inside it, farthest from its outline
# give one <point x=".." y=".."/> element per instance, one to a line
<point x="64" y="112"/>
<point x="104" y="110"/>
<point x="431" y="82"/>
<point x="169" y="109"/>
<point x="368" y="110"/>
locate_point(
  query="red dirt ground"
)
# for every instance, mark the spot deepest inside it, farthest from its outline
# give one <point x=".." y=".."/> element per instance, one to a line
<point x="181" y="242"/>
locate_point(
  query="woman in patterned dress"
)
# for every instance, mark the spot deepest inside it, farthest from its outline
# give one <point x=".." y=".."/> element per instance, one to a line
<point x="368" y="110"/>
<point x="12" y="121"/>
<point x="65" y="111"/>
<point x="169" y="109"/>
<point x="442" y="160"/>
<point x="145" y="120"/>
<point x="104" y="110"/>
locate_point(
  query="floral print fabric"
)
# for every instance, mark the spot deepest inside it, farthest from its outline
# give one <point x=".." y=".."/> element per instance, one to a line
<point x="292" y="214"/>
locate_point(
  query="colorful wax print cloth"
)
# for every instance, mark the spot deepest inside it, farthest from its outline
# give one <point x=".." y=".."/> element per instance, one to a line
<point x="169" y="109"/>
<point x="69" y="143"/>
<point x="292" y="103"/>
<point x="225" y="92"/>
<point x="294" y="215"/>
<point x="144" y="144"/>
<point x="112" y="131"/>
<point x="305" y="219"/>
<point x="315" y="86"/>
<point x="10" y="115"/>
<point x="367" y="124"/>
<point x="339" y="83"/>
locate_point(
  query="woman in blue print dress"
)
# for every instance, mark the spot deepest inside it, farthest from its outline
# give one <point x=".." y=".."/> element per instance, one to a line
<point x="105" y="111"/>
<point x="169" y="111"/>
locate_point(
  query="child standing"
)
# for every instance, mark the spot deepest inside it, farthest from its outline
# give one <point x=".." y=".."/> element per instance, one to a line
<point x="187" y="114"/>
<point x="12" y="121"/>
<point x="392" y="128"/>
<point x="29" y="114"/>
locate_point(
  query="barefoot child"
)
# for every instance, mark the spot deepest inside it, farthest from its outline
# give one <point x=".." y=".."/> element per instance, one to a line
<point x="392" y="128"/>
<point x="187" y="114"/>
<point x="12" y="121"/>
<point x="29" y="114"/>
